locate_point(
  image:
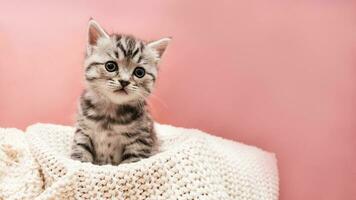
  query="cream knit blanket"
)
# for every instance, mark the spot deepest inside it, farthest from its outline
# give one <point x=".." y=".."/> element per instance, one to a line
<point x="19" y="173"/>
<point x="190" y="165"/>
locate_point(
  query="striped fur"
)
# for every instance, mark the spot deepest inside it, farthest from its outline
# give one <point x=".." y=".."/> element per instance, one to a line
<point x="114" y="125"/>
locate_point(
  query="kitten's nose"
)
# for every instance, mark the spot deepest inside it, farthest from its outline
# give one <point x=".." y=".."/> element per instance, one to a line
<point x="124" y="83"/>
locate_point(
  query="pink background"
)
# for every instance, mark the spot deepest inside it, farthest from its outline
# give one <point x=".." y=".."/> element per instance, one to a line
<point x="275" y="74"/>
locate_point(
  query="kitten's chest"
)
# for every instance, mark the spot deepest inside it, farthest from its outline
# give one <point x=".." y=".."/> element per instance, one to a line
<point x="108" y="147"/>
<point x="109" y="143"/>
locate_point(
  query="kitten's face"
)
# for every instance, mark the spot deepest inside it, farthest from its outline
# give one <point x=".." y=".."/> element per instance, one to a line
<point x="121" y="68"/>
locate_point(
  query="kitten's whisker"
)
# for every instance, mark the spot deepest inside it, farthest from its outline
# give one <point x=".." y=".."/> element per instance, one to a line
<point x="159" y="100"/>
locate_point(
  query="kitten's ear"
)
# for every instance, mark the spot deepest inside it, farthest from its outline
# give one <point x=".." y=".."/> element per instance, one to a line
<point x="159" y="45"/>
<point x="95" y="32"/>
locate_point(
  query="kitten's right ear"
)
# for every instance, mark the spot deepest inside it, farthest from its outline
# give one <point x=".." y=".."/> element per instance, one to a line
<point x="95" y="32"/>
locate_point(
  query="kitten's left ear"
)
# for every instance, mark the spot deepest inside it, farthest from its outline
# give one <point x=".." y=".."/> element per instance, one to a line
<point x="95" y="32"/>
<point x="159" y="45"/>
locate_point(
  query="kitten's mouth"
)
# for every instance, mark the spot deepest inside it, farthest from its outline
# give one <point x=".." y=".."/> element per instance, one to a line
<point x="121" y="91"/>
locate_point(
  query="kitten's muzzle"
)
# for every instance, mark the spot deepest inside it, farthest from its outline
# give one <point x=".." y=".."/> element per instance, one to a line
<point x="124" y="83"/>
<point x="121" y="91"/>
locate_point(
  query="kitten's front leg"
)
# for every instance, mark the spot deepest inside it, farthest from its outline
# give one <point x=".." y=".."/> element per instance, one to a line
<point x="82" y="148"/>
<point x="141" y="147"/>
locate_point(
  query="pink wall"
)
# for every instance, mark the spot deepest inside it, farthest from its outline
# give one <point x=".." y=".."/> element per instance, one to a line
<point x="278" y="75"/>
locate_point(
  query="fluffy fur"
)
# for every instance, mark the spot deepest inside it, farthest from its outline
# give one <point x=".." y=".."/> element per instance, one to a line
<point x="114" y="125"/>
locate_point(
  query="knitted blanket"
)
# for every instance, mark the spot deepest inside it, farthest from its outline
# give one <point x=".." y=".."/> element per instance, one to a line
<point x="19" y="173"/>
<point x="190" y="165"/>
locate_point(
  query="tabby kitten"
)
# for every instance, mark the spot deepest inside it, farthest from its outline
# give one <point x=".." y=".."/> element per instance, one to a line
<point x="114" y="125"/>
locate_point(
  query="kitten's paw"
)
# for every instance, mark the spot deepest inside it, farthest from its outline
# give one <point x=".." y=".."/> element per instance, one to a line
<point x="83" y="157"/>
<point x="131" y="160"/>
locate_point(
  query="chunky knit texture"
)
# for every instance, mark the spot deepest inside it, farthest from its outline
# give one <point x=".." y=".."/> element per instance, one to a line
<point x="19" y="173"/>
<point x="190" y="165"/>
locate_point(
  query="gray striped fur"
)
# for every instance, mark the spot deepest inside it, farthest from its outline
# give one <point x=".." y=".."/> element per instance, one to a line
<point x="114" y="124"/>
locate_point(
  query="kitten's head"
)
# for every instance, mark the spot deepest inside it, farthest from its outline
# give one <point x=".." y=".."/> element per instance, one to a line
<point x="121" y="67"/>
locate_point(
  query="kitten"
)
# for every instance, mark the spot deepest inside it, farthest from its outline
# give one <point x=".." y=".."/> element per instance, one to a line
<point x="114" y="125"/>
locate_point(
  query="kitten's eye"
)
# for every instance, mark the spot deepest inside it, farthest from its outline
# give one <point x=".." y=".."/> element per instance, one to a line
<point x="139" y="72"/>
<point x="111" y="66"/>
